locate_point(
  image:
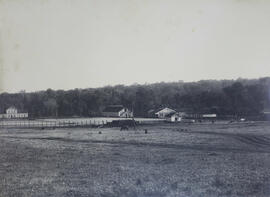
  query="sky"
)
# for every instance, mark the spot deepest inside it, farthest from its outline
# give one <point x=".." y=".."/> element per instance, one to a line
<point x="67" y="44"/>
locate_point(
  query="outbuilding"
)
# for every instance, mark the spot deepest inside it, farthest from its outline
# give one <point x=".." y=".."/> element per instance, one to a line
<point x="117" y="111"/>
<point x="175" y="117"/>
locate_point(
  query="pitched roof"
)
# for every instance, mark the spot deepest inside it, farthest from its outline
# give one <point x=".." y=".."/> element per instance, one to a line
<point x="11" y="107"/>
<point x="113" y="108"/>
<point x="165" y="109"/>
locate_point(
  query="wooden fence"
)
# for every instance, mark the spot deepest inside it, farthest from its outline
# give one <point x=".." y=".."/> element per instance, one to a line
<point x="51" y="124"/>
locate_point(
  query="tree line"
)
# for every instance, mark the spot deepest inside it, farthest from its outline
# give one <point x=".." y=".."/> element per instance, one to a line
<point x="224" y="97"/>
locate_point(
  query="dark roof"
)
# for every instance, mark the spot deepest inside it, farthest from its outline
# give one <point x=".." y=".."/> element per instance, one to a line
<point x="151" y="111"/>
<point x="4" y="109"/>
<point x="19" y="110"/>
<point x="113" y="108"/>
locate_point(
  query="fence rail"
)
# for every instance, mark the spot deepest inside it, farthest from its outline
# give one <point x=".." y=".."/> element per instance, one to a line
<point x="52" y="124"/>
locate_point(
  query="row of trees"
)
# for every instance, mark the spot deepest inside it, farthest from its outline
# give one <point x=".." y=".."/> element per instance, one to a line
<point x="231" y="97"/>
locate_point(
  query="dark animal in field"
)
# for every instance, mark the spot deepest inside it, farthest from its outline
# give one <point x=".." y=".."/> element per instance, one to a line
<point x="184" y="130"/>
<point x="99" y="132"/>
<point x="120" y="123"/>
<point x="124" y="128"/>
<point x="145" y="131"/>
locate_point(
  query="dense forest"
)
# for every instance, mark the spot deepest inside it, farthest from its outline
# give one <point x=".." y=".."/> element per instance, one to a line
<point x="224" y="97"/>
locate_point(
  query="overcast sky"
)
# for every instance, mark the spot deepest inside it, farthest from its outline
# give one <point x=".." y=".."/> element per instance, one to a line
<point x="65" y="44"/>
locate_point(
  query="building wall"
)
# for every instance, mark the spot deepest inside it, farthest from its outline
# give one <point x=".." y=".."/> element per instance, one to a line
<point x="11" y="110"/>
<point x="209" y="115"/>
<point x="18" y="115"/>
<point x="126" y="113"/>
<point x="174" y="118"/>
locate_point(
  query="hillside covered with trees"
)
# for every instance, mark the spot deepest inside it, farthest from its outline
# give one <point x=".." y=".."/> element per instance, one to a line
<point x="224" y="97"/>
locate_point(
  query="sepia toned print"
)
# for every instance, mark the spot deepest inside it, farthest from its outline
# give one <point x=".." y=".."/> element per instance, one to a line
<point x="134" y="98"/>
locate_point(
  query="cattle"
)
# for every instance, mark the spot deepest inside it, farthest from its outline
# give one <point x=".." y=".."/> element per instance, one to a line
<point x="123" y="128"/>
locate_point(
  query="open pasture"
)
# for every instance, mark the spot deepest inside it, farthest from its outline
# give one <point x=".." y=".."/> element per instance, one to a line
<point x="185" y="160"/>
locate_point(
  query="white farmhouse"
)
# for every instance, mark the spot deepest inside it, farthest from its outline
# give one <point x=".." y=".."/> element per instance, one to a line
<point x="117" y="111"/>
<point x="12" y="112"/>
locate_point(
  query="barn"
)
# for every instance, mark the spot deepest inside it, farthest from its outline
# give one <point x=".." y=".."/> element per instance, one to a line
<point x="164" y="112"/>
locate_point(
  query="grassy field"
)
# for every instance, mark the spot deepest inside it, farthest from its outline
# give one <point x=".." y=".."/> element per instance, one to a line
<point x="183" y="160"/>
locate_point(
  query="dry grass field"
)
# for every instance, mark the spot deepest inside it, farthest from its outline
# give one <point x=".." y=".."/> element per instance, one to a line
<point x="183" y="160"/>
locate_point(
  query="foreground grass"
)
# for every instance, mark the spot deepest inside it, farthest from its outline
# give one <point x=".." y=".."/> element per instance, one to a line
<point x="171" y="160"/>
